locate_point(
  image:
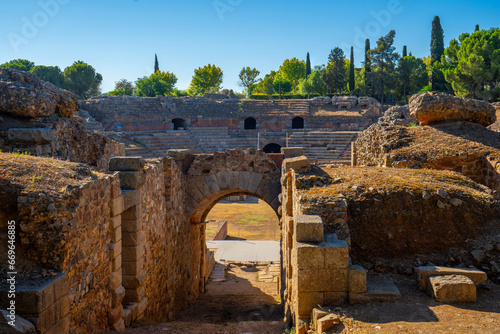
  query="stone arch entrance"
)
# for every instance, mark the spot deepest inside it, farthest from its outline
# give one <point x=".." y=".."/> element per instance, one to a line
<point x="250" y="123"/>
<point x="179" y="123"/>
<point x="297" y="123"/>
<point x="272" y="148"/>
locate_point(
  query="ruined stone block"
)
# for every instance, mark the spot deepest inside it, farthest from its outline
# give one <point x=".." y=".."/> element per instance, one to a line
<point x="357" y="279"/>
<point x="234" y="179"/>
<point x="65" y="306"/>
<point x="300" y="164"/>
<point x="213" y="183"/>
<point x="254" y="182"/>
<point x="316" y="314"/>
<point x="116" y="263"/>
<point x="126" y="164"/>
<point x="306" y="301"/>
<point x="131" y="198"/>
<point x="134" y="281"/>
<point x="30" y="136"/>
<point x="134" y="295"/>
<point x="310" y="256"/>
<point x="423" y="274"/>
<point x="115" y="249"/>
<point x="116" y="234"/>
<point x="292" y="152"/>
<point x="322" y="280"/>
<point x="116" y="206"/>
<point x="62" y="326"/>
<point x="133" y="238"/>
<point x="452" y="288"/>
<point x="115" y="279"/>
<point x="131" y="226"/>
<point x="115" y="315"/>
<point x="309" y="229"/>
<point x="117" y="296"/>
<point x="134" y="212"/>
<point x="244" y="180"/>
<point x="132" y="180"/>
<point x="336" y="254"/>
<point x="223" y="180"/>
<point x="133" y="268"/>
<point x="116" y="221"/>
<point x="132" y="253"/>
<point x="141" y="307"/>
<point x="327" y="322"/>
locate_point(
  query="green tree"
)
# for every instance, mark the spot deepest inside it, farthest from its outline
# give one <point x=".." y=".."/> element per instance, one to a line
<point x="477" y="27"/>
<point x="157" y="64"/>
<point x="158" y="83"/>
<point x="412" y="76"/>
<point x="123" y="87"/>
<point x="248" y="77"/>
<point x="52" y="74"/>
<point x="266" y="85"/>
<point x="19" y="64"/>
<point x="335" y="76"/>
<point x="405" y="51"/>
<point x="82" y="80"/>
<point x="384" y="58"/>
<point x="367" y="70"/>
<point x="351" y="72"/>
<point x="207" y="79"/>
<point x="437" y="51"/>
<point x="472" y="65"/>
<point x="292" y="70"/>
<point x="312" y="85"/>
<point x="308" y="66"/>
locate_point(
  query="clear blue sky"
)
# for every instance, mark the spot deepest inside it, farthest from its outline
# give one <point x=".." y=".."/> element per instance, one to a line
<point x="120" y="37"/>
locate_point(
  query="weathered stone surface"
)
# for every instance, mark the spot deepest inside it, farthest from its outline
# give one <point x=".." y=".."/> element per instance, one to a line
<point x="452" y="288"/>
<point x="298" y="163"/>
<point x="292" y="152"/>
<point x="321" y="100"/>
<point x="357" y="279"/>
<point x="126" y="164"/>
<point x="309" y="229"/>
<point x="431" y="107"/>
<point x="132" y="180"/>
<point x="327" y="322"/>
<point x="21" y="325"/>
<point x="423" y="274"/>
<point x="23" y="94"/>
<point x="30" y="136"/>
<point x="398" y="115"/>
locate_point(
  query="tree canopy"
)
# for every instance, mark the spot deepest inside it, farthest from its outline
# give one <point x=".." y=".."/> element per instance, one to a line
<point x="335" y="76"/>
<point x="207" y="79"/>
<point x="19" y="64"/>
<point x="248" y="77"/>
<point x="158" y="83"/>
<point x="383" y="59"/>
<point x="472" y="64"/>
<point x="82" y="80"/>
<point x="292" y="70"/>
<point x="123" y="87"/>
<point x="52" y="74"/>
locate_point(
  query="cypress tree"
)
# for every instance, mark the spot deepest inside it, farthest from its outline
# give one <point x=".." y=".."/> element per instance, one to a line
<point x="351" y="72"/>
<point x="157" y="65"/>
<point x="477" y="27"/>
<point x="405" y="51"/>
<point x="368" y="68"/>
<point x="308" y="66"/>
<point x="437" y="40"/>
<point x="437" y="50"/>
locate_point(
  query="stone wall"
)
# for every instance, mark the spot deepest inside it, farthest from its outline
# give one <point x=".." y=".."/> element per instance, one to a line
<point x="64" y="139"/>
<point x="148" y="114"/>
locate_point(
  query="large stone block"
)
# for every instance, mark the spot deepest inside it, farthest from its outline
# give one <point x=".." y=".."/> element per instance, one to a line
<point x="116" y="234"/>
<point x="116" y="206"/>
<point x="244" y="180"/>
<point x="357" y="279"/>
<point x="423" y="274"/>
<point x="30" y="136"/>
<point x="134" y="281"/>
<point x="309" y="229"/>
<point x="22" y="325"/>
<point x="134" y="267"/>
<point x="127" y="164"/>
<point x="115" y="249"/>
<point x="131" y="198"/>
<point x="452" y="288"/>
<point x="132" y="253"/>
<point x="336" y="254"/>
<point x="336" y="298"/>
<point x="223" y="180"/>
<point x="132" y="180"/>
<point x="131" y="225"/>
<point x="327" y="322"/>
<point x="115" y="279"/>
<point x="213" y="183"/>
<point x="134" y="212"/>
<point x="306" y="301"/>
<point x="292" y="152"/>
<point x="309" y="280"/>
<point x="300" y="164"/>
<point x="117" y="296"/>
<point x="134" y="295"/>
<point x="133" y="238"/>
<point x="254" y="182"/>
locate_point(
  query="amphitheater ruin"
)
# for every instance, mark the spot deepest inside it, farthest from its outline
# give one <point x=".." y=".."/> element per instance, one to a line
<point x="110" y="204"/>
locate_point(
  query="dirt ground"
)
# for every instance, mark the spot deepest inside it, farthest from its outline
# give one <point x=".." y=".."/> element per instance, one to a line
<point x="252" y="219"/>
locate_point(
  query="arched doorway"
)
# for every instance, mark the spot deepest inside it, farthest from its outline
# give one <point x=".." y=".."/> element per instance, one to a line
<point x="250" y="123"/>
<point x="179" y="123"/>
<point x="297" y="123"/>
<point x="272" y="148"/>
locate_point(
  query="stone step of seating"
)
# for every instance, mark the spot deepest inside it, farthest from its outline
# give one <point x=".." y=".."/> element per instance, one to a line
<point x="378" y="289"/>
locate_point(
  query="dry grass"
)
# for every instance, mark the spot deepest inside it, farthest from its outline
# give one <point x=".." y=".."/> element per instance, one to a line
<point x="373" y="180"/>
<point x="43" y="174"/>
<point x="451" y="140"/>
